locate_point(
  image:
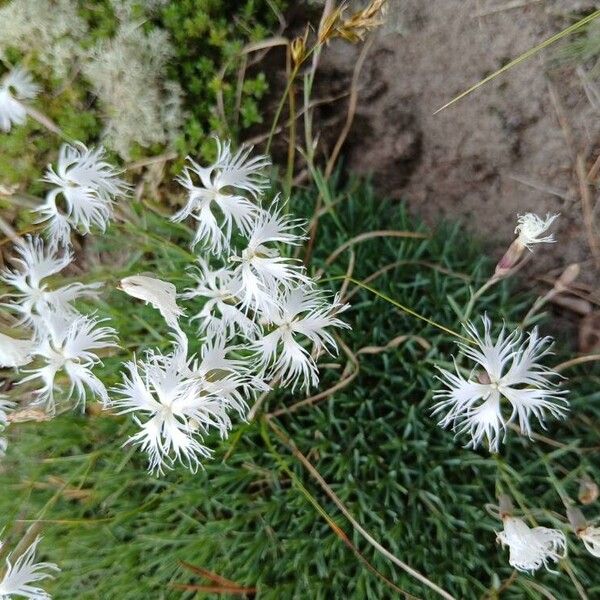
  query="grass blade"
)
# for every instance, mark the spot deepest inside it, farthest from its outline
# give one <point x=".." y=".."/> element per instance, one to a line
<point x="523" y="57"/>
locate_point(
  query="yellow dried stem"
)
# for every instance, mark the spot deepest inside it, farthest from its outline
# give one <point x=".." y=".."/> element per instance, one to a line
<point x="327" y="31"/>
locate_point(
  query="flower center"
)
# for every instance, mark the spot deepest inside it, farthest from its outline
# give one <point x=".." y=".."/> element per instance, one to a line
<point x="248" y="254"/>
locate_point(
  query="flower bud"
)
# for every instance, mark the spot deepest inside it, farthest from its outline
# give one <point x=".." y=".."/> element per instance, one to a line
<point x="568" y="276"/>
<point x="588" y="491"/>
<point x="298" y="49"/>
<point x="505" y="506"/>
<point x="576" y="519"/>
<point x="510" y="259"/>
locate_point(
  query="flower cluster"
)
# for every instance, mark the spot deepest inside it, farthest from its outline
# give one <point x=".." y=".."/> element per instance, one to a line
<point x="61" y="341"/>
<point x="261" y="317"/>
<point x="58" y="345"/>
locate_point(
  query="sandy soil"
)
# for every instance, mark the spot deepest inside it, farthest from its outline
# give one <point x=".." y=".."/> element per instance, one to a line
<point x="498" y="152"/>
<point x="511" y="147"/>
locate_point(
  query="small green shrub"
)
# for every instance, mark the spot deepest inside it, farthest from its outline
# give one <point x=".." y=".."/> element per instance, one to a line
<point x="208" y="35"/>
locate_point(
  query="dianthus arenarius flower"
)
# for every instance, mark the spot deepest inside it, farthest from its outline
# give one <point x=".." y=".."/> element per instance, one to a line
<point x="507" y="382"/>
<point x="88" y="186"/>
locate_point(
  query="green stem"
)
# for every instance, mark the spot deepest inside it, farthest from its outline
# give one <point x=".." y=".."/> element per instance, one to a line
<point x="291" y="143"/>
<point x="537" y="305"/>
<point x="284" y="96"/>
<point x="486" y="286"/>
<point x="279" y="110"/>
<point x="405" y="309"/>
<point x="558" y="486"/>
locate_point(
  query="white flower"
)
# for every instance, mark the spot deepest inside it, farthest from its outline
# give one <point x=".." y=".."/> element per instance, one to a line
<point x="22" y="573"/>
<point x="220" y="314"/>
<point x="590" y="536"/>
<point x="16" y="86"/>
<point x="227" y="379"/>
<point x="70" y="345"/>
<point x="301" y="312"/>
<point x="261" y="269"/>
<point x="34" y="263"/>
<point x="511" y="370"/>
<point x="162" y="295"/>
<point x="529" y="549"/>
<point x="88" y="186"/>
<point x="178" y="409"/>
<point x="219" y="188"/>
<point x="14" y="352"/>
<point x="530" y="227"/>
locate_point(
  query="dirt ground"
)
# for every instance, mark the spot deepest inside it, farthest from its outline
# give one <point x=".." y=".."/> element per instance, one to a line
<point x="511" y="147"/>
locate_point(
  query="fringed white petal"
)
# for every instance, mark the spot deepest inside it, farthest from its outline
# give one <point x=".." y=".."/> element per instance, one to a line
<point x="530" y="228"/>
<point x="88" y="185"/>
<point x="23" y="572"/>
<point x="532" y="548"/>
<point x="178" y="407"/>
<point x="16" y="86"/>
<point x="590" y="536"/>
<point x="510" y="373"/>
<point x="14" y="352"/>
<point x="70" y="345"/>
<point x="162" y="295"/>
<point x="213" y="200"/>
